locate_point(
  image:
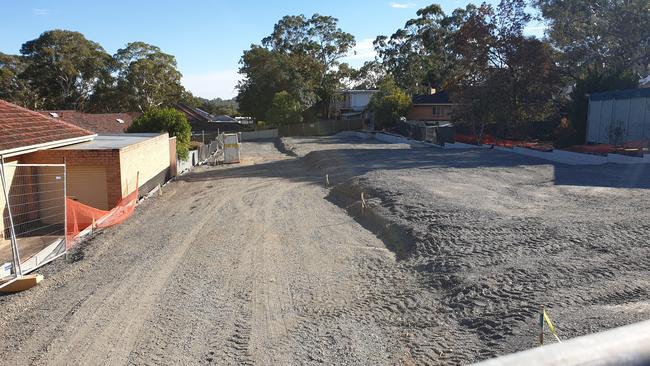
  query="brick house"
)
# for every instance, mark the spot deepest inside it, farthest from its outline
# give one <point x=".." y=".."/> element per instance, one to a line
<point x="101" y="169"/>
<point x="431" y="107"/>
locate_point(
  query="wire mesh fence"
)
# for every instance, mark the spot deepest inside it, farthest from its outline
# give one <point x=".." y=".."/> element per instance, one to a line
<point x="33" y="227"/>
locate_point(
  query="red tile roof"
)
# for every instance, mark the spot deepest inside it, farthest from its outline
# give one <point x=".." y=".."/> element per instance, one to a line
<point x="21" y="128"/>
<point x="96" y="122"/>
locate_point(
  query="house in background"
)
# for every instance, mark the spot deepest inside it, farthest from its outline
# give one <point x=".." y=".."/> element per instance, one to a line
<point x="435" y="107"/>
<point x="617" y="117"/>
<point x="202" y="121"/>
<point x="351" y="104"/>
<point x="95" y="122"/>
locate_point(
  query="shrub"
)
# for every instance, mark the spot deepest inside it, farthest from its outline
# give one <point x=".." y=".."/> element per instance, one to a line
<point x="166" y="120"/>
<point x="195" y="145"/>
<point x="389" y="104"/>
<point x="285" y="109"/>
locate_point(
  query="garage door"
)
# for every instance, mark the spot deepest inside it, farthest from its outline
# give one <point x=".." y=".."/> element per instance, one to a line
<point x="87" y="184"/>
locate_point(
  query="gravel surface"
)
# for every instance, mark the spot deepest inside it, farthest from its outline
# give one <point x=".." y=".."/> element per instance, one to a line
<point x="260" y="263"/>
<point x="493" y="236"/>
<point x="245" y="264"/>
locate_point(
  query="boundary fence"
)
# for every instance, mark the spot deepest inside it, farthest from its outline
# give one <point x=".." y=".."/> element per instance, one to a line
<point x="320" y="128"/>
<point x="212" y="150"/>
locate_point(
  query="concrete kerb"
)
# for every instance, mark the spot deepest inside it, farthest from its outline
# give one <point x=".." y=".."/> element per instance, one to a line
<point x="574" y="158"/>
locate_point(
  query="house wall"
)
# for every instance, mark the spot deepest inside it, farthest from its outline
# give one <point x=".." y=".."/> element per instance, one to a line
<point x="359" y="101"/>
<point x="421" y="112"/>
<point x="84" y="167"/>
<point x="150" y="159"/>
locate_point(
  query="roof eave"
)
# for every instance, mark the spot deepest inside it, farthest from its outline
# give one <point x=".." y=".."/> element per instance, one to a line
<point x="47" y="145"/>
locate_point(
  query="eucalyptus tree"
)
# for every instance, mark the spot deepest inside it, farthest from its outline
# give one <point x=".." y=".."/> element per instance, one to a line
<point x="301" y="56"/>
<point x="63" y="68"/>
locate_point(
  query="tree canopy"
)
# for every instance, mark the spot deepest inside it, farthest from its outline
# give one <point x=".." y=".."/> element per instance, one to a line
<point x="300" y="57"/>
<point x="599" y="34"/>
<point x="480" y="54"/>
<point x="502" y="76"/>
<point x="63" y="70"/>
<point x="143" y="77"/>
<point x="167" y="120"/>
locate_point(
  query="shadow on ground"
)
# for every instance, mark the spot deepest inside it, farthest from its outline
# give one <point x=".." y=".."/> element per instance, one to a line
<point x="344" y="163"/>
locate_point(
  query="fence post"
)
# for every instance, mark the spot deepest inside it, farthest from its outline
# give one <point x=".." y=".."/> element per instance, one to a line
<point x="14" y="245"/>
<point x="65" y="207"/>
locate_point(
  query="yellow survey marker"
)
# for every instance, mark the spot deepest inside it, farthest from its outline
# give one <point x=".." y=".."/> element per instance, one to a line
<point x="550" y="325"/>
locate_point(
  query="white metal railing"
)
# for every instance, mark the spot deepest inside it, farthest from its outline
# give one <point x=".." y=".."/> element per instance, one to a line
<point x="628" y="345"/>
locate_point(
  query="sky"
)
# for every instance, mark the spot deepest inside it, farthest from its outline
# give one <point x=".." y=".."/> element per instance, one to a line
<point x="206" y="37"/>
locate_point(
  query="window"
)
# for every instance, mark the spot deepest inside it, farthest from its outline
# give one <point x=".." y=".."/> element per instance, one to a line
<point x="438" y="110"/>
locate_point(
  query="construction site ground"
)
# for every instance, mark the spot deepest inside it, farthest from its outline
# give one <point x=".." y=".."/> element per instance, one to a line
<point x="447" y="259"/>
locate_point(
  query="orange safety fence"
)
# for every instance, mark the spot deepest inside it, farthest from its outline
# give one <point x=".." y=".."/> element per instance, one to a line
<point x="491" y="140"/>
<point x="632" y="147"/>
<point x="601" y="149"/>
<point x="80" y="216"/>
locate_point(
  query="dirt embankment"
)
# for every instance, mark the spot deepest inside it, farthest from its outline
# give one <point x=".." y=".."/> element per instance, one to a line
<point x="494" y="236"/>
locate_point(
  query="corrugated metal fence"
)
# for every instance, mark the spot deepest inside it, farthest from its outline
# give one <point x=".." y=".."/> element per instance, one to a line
<point x="619" y="117"/>
<point x="434" y="134"/>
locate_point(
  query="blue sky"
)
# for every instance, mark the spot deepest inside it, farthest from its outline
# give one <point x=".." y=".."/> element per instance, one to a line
<point x="207" y="37"/>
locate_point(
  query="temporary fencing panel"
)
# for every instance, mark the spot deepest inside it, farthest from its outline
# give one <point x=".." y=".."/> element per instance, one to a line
<point x="33" y="216"/>
<point x="40" y="222"/>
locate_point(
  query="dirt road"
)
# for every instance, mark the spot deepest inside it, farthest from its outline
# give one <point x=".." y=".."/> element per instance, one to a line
<point x="259" y="263"/>
<point x="239" y="265"/>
